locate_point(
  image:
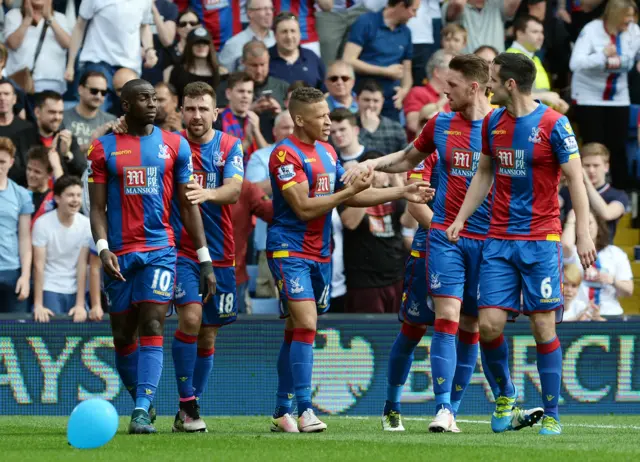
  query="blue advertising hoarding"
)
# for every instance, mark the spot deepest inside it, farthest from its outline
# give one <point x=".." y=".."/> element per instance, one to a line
<point x="45" y="369"/>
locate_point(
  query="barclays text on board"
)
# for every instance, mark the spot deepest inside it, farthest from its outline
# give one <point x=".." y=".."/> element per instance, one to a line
<point x="45" y="369"/>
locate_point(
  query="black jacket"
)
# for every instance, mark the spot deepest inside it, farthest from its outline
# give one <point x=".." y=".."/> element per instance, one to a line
<point x="26" y="139"/>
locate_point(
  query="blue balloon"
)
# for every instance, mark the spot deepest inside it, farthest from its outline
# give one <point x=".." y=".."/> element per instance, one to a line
<point x="92" y="424"/>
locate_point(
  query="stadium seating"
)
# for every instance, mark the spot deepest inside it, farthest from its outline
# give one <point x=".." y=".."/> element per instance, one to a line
<point x="627" y="238"/>
<point x="633" y="152"/>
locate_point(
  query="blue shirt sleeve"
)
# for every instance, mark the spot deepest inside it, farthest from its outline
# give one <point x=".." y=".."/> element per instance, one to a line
<point x="184" y="163"/>
<point x="26" y="201"/>
<point x="622" y="197"/>
<point x="234" y="167"/>
<point x="408" y="49"/>
<point x="359" y="33"/>
<point x="257" y="168"/>
<point x="563" y="141"/>
<point x="339" y="173"/>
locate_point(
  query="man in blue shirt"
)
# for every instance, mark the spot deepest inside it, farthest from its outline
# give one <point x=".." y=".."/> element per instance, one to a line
<point x="289" y="61"/>
<point x="380" y="47"/>
<point x="16" y="208"/>
<point x="258" y="173"/>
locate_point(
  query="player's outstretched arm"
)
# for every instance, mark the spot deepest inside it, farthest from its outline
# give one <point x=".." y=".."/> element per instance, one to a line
<point x="397" y="162"/>
<point x="309" y="208"/>
<point x="419" y="192"/>
<point x="477" y="192"/>
<point x="572" y="170"/>
<point x="192" y="221"/>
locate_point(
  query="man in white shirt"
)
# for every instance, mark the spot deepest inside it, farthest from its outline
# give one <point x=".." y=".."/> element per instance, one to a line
<point x="60" y="254"/>
<point x="116" y="30"/>
<point x="483" y="20"/>
<point x="425" y="36"/>
<point x="260" y="13"/>
<point x="344" y="135"/>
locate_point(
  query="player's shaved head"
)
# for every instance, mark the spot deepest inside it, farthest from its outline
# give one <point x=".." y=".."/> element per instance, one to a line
<point x="139" y="103"/>
<point x="133" y="88"/>
<point x="310" y="113"/>
<point x="302" y="98"/>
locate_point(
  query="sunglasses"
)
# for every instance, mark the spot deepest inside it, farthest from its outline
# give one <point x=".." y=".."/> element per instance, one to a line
<point x="188" y="23"/>
<point x="95" y="91"/>
<point x="335" y="78"/>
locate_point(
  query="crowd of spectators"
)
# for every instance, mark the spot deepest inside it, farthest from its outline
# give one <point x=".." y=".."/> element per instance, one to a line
<point x="383" y="66"/>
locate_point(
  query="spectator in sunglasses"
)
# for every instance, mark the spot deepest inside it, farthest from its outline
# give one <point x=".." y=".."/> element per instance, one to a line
<point x="340" y="81"/>
<point x="84" y="118"/>
<point x="187" y="21"/>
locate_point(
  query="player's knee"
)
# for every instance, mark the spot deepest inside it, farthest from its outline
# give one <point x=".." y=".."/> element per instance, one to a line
<point x="207" y="337"/>
<point x="447" y="308"/>
<point x="489" y="330"/>
<point x="543" y="326"/>
<point x="190" y="319"/>
<point x="122" y="339"/>
<point x="468" y="323"/>
<point x="151" y="327"/>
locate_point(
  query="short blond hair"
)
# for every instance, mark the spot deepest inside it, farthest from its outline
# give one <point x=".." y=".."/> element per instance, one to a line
<point x="572" y="274"/>
<point x="595" y="149"/>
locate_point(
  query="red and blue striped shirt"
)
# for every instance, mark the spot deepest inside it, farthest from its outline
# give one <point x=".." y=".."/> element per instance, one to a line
<point x="220" y="17"/>
<point x="306" y="14"/>
<point x="527" y="153"/>
<point x="140" y="174"/>
<point x="293" y="162"/>
<point x="459" y="143"/>
<point x="424" y="171"/>
<point x="213" y="162"/>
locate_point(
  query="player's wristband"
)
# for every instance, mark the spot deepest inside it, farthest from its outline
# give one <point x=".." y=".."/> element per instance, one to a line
<point x="408" y="232"/>
<point x="203" y="254"/>
<point x="101" y="245"/>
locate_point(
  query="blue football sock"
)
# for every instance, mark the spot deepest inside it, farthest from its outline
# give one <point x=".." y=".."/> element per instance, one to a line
<point x="284" y="396"/>
<point x="127" y="367"/>
<point x="467" y="357"/>
<point x="443" y="361"/>
<point x="497" y="355"/>
<point x="495" y="389"/>
<point x="184" y="351"/>
<point x="549" y="357"/>
<point x="202" y="370"/>
<point x="301" y="357"/>
<point x="400" y="360"/>
<point x="149" y="370"/>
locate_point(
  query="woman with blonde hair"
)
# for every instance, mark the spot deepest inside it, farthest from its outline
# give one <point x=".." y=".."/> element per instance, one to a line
<point x="603" y="55"/>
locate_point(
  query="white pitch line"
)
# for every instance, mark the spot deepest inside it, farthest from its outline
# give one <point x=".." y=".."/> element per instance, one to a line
<point x="486" y="422"/>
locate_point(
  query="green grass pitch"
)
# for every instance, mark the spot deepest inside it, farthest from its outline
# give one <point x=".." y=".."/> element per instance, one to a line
<point x="585" y="438"/>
